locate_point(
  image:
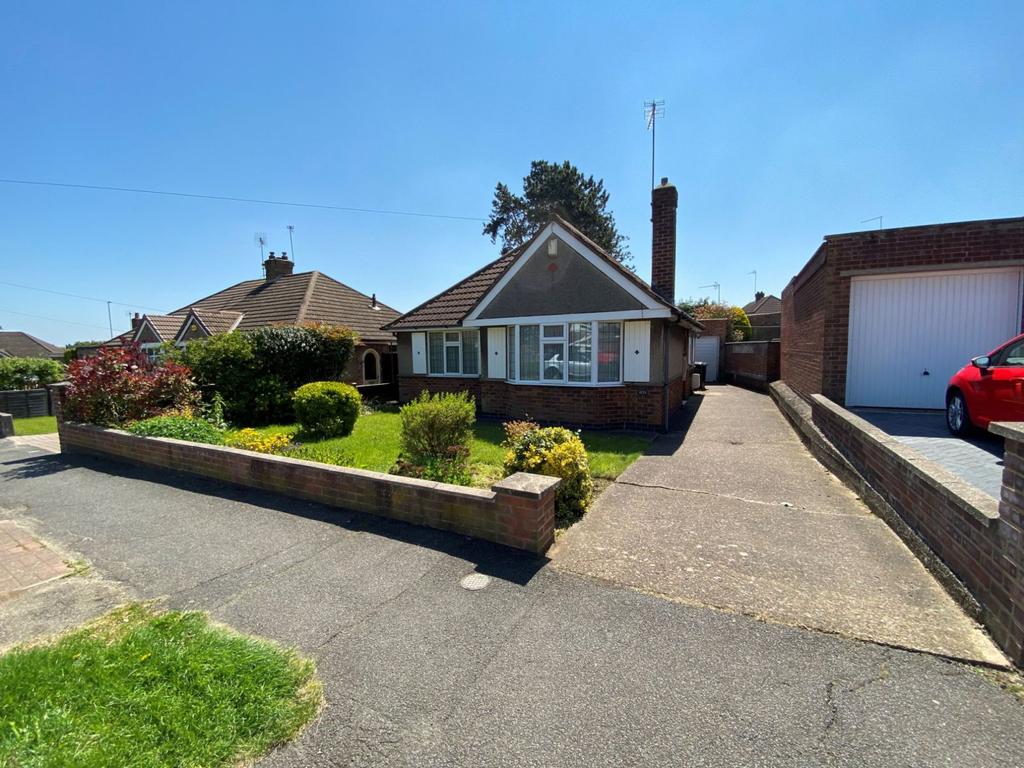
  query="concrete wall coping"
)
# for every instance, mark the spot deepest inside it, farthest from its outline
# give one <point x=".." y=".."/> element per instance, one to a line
<point x="1014" y="430"/>
<point x="965" y="497"/>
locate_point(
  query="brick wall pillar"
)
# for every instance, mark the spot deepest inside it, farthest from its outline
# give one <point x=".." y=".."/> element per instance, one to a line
<point x="526" y="510"/>
<point x="1008" y="578"/>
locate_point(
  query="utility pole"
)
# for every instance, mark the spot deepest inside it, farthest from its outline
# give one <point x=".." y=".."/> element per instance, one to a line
<point x="110" y="323"/>
<point x="652" y="111"/>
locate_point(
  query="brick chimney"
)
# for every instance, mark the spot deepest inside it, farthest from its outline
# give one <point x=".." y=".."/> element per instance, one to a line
<point x="758" y="295"/>
<point x="136" y="321"/>
<point x="277" y="266"/>
<point x="664" y="199"/>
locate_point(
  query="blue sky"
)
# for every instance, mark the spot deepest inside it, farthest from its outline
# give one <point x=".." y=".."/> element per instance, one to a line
<point x="784" y="122"/>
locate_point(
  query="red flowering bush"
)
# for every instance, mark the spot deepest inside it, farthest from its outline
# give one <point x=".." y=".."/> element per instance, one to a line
<point x="119" y="385"/>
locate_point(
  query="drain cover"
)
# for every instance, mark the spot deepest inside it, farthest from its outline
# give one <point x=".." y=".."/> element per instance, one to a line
<point x="475" y="581"/>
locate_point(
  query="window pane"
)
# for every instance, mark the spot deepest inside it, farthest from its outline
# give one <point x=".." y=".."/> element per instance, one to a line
<point x="609" y="345"/>
<point x="529" y="353"/>
<point x="579" y="351"/>
<point x="451" y="336"/>
<point x="451" y="359"/>
<point x="554" y="362"/>
<point x="471" y="352"/>
<point x="553" y="331"/>
<point x="510" y="339"/>
<point x="436" y="354"/>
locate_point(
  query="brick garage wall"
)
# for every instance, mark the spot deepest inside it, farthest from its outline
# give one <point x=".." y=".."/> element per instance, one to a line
<point x="518" y="511"/>
<point x="816" y="304"/>
<point x="751" y="363"/>
<point x="977" y="538"/>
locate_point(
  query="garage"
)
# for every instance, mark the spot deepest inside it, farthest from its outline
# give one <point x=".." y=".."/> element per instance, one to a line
<point x="908" y="333"/>
<point x="706" y="351"/>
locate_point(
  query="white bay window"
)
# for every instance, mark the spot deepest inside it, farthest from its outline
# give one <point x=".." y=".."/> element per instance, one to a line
<point x="579" y="353"/>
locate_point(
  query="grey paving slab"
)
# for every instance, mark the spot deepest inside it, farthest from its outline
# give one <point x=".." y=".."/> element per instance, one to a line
<point x="977" y="459"/>
<point x="540" y="668"/>
<point x="743" y="518"/>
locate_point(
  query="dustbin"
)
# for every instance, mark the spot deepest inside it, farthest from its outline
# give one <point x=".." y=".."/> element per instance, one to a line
<point x="702" y="369"/>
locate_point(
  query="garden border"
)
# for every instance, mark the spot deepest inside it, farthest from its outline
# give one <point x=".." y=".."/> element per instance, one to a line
<point x="517" y="512"/>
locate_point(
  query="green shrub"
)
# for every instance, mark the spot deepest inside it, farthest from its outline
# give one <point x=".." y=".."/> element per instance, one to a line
<point x="29" y="372"/>
<point x="433" y="424"/>
<point x="257" y="371"/>
<point x="179" y="427"/>
<point x="327" y="408"/>
<point x="557" y="452"/>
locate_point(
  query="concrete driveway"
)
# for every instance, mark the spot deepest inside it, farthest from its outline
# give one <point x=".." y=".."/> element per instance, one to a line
<point x="734" y="513"/>
<point x="977" y="460"/>
<point x="540" y="668"/>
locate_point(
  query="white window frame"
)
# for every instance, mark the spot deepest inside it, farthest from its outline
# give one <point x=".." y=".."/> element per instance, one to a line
<point x="564" y="382"/>
<point x="445" y="344"/>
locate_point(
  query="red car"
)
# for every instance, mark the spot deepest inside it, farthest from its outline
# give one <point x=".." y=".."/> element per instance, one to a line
<point x="990" y="388"/>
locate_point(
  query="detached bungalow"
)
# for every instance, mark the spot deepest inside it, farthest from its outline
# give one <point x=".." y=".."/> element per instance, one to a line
<point x="281" y="298"/>
<point x="558" y="331"/>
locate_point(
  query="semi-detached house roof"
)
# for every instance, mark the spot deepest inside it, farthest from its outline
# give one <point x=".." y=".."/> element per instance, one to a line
<point x="306" y="297"/>
<point x="449" y="308"/>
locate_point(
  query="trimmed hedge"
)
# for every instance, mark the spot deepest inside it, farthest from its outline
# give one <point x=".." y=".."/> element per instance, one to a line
<point x="327" y="408"/>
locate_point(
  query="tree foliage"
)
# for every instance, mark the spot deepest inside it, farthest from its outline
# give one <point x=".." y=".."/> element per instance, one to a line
<point x="705" y="309"/>
<point x="29" y="372"/>
<point x="550" y="189"/>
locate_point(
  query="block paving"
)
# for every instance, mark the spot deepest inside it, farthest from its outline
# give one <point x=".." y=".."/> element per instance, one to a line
<point x="25" y="561"/>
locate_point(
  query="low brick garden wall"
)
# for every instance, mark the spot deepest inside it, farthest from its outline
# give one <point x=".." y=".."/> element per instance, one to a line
<point x="518" y="511"/>
<point x="753" y="364"/>
<point x="978" y="538"/>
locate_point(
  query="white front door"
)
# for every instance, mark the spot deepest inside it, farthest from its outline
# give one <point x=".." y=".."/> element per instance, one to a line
<point x="706" y="351"/>
<point x="910" y="332"/>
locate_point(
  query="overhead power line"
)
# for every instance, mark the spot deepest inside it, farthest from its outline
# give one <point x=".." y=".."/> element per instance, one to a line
<point x="53" y="319"/>
<point x="77" y="296"/>
<point x="228" y="198"/>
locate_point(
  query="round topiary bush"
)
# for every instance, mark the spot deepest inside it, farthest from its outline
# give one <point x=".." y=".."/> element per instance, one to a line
<point x="557" y="452"/>
<point x="327" y="408"/>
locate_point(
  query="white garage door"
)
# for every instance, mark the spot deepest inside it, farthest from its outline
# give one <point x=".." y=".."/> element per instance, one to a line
<point x="705" y="350"/>
<point x="909" y="333"/>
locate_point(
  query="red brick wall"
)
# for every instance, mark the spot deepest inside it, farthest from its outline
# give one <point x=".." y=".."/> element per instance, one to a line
<point x="816" y="304"/>
<point x="981" y="542"/>
<point x="638" y="406"/>
<point x="752" y="363"/>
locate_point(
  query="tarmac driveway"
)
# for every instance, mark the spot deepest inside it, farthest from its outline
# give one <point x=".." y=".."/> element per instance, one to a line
<point x="734" y="513"/>
<point x="539" y="668"/>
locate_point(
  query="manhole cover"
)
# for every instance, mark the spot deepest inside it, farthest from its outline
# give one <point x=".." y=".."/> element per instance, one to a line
<point x="475" y="581"/>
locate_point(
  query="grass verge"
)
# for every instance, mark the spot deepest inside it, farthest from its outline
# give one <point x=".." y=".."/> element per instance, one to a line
<point x="139" y="687"/>
<point x="36" y="425"/>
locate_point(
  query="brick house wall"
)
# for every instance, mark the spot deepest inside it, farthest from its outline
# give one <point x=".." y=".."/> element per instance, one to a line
<point x="816" y="303"/>
<point x="630" y="406"/>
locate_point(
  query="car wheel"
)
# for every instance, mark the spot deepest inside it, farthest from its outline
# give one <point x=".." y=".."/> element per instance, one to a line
<point x="957" y="418"/>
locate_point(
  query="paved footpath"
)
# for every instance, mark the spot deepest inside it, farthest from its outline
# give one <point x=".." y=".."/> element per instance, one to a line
<point x="736" y="514"/>
<point x="540" y="668"/>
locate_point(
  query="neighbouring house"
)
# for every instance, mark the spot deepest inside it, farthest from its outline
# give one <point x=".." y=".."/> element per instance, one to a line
<point x="282" y="297"/>
<point x="21" y="344"/>
<point x="556" y="330"/>
<point x="765" y="315"/>
<point x="884" y="318"/>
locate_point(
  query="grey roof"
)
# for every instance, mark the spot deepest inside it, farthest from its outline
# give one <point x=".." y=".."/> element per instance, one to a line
<point x="21" y="344"/>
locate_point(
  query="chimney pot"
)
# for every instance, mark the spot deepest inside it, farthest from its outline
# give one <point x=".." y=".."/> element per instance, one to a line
<point x="664" y="200"/>
<point x="759" y="295"/>
<point x="284" y="254"/>
<point x="664" y="181"/>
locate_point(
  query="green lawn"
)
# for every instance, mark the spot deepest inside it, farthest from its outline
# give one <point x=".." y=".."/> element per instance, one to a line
<point x="374" y="444"/>
<point x="37" y="425"/>
<point x="141" y="688"/>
